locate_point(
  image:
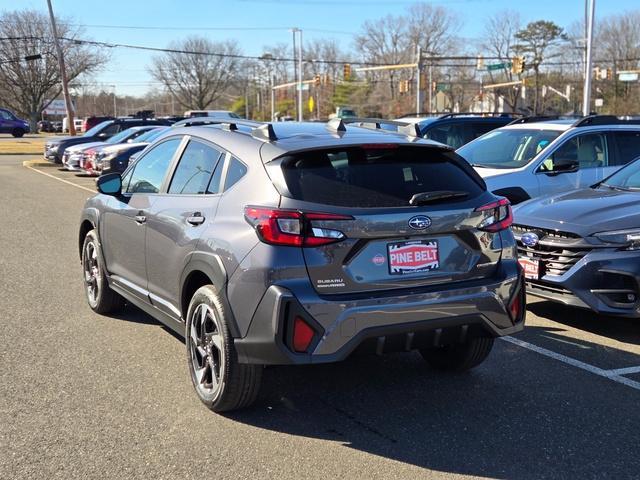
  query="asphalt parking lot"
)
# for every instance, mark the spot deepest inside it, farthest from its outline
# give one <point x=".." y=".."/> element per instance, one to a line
<point x="88" y="396"/>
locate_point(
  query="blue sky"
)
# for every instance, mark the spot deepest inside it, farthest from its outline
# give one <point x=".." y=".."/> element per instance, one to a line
<point x="318" y="18"/>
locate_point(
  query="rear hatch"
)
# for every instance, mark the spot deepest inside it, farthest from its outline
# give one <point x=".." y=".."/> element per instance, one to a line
<point x="407" y="216"/>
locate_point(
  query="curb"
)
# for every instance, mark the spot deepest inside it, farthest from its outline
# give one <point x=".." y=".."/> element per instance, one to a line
<point x="39" y="163"/>
<point x="33" y="154"/>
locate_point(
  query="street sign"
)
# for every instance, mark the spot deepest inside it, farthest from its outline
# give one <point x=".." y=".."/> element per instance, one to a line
<point x="443" y="87"/>
<point x="599" y="102"/>
<point x="627" y="77"/>
<point x="499" y="66"/>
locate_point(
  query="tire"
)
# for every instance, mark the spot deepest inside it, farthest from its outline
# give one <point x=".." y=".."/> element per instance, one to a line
<point x="458" y="357"/>
<point x="100" y="297"/>
<point x="221" y="383"/>
<point x="17" y="132"/>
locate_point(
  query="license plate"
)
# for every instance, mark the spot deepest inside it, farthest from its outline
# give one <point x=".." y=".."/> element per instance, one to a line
<point x="531" y="267"/>
<point x="413" y="257"/>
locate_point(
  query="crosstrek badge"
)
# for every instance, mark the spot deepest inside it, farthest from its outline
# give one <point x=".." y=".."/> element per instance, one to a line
<point x="413" y="257"/>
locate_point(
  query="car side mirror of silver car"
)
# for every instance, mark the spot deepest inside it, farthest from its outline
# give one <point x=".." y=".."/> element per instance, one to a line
<point x="563" y="166"/>
<point x="109" y="184"/>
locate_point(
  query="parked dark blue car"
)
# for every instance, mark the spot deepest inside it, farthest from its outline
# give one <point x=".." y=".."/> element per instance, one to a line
<point x="9" y="123"/>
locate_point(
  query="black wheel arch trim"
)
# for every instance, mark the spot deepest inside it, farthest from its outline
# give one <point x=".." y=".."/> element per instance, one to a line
<point x="210" y="265"/>
<point x="514" y="194"/>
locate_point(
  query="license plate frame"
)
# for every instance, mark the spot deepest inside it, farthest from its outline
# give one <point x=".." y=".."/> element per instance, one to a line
<point x="418" y="256"/>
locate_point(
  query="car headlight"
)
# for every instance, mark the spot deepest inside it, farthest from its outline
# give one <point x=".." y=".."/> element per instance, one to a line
<point x="628" y="239"/>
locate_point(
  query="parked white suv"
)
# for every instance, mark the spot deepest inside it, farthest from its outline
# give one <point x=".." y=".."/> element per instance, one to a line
<point x="527" y="159"/>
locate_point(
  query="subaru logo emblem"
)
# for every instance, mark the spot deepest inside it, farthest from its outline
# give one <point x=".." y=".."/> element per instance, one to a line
<point x="529" y="239"/>
<point x="419" y="222"/>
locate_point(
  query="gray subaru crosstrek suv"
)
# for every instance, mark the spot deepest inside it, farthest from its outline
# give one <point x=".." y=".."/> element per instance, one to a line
<point x="302" y="243"/>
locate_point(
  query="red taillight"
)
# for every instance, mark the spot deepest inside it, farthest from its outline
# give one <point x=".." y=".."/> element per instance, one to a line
<point x="293" y="228"/>
<point x="498" y="216"/>
<point x="302" y="335"/>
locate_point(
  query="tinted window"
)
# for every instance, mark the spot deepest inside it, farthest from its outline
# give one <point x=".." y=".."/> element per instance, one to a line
<point x="97" y="129"/>
<point x="195" y="169"/>
<point x="236" y="171"/>
<point x="5" y="115"/>
<point x="150" y="170"/>
<point x="508" y="148"/>
<point x="110" y="130"/>
<point x="376" y="177"/>
<point x="589" y="150"/>
<point x="216" y="180"/>
<point x="628" y="146"/>
<point x="454" y="135"/>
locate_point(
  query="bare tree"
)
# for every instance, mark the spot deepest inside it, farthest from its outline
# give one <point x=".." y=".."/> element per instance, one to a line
<point x="28" y="87"/>
<point x="500" y="38"/>
<point x="432" y="28"/>
<point x="199" y="78"/>
<point x="385" y="41"/>
<point x="618" y="42"/>
<point x="537" y="42"/>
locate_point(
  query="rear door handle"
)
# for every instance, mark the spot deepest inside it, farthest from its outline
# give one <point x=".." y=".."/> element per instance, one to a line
<point x="196" y="219"/>
<point x="140" y="217"/>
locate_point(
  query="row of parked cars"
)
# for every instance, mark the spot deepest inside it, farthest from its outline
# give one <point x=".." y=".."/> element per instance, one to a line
<point x="302" y="243"/>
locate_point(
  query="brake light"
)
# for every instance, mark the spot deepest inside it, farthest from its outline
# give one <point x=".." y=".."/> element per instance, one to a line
<point x="498" y="216"/>
<point x="302" y="335"/>
<point x="292" y="227"/>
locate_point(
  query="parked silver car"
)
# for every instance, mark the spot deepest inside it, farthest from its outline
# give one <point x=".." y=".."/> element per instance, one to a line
<point x="527" y="159"/>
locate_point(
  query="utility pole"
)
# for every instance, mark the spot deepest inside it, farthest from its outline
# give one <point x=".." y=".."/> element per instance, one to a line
<point x="295" y="65"/>
<point x="586" y="98"/>
<point x="115" y="108"/>
<point x="418" y="80"/>
<point x="63" y="71"/>
<point x="299" y="69"/>
<point x="430" y="86"/>
<point x="273" y="98"/>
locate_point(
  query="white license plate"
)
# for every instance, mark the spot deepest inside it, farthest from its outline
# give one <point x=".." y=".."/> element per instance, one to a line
<point x="413" y="257"/>
<point x="531" y="267"/>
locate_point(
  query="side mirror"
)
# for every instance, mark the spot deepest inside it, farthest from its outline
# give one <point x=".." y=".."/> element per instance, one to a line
<point x="109" y="184"/>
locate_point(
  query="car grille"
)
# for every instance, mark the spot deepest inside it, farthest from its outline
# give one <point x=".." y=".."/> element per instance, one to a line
<point x="556" y="259"/>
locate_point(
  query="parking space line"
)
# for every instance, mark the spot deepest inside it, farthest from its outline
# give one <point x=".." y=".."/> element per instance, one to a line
<point x="610" y="374"/>
<point x="624" y="371"/>
<point x="62" y="180"/>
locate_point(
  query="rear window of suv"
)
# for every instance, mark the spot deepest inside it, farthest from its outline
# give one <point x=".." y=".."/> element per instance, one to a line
<point x="370" y="177"/>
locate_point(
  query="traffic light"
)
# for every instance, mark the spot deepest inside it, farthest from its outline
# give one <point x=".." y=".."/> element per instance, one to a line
<point x="403" y="86"/>
<point x="517" y="65"/>
<point x="596" y="72"/>
<point x="480" y="63"/>
<point x="346" y="71"/>
<point x="609" y="74"/>
<point x="317" y="80"/>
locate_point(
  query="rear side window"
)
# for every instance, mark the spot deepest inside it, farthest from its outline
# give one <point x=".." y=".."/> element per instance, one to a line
<point x="628" y="146"/>
<point x="236" y="171"/>
<point x="376" y="177"/>
<point x="195" y="169"/>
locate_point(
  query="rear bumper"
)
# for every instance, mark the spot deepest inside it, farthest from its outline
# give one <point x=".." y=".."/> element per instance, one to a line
<point x="606" y="281"/>
<point x="380" y="324"/>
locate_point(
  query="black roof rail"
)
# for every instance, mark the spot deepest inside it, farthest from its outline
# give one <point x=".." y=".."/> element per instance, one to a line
<point x="199" y="121"/>
<point x="376" y="121"/>
<point x="480" y="114"/>
<point x="539" y="118"/>
<point x="264" y="132"/>
<point x="606" y="120"/>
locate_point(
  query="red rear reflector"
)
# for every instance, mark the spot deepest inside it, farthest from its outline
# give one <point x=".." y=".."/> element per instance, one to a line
<point x="302" y="335"/>
<point x="516" y="307"/>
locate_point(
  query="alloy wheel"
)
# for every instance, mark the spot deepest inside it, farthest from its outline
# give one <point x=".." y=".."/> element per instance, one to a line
<point x="206" y="349"/>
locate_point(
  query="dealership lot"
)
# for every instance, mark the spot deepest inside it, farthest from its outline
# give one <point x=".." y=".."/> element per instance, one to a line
<point x="86" y="395"/>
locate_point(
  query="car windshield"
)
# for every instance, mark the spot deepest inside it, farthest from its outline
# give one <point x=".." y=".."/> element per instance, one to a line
<point x="122" y="136"/>
<point x="627" y="178"/>
<point x="507" y="148"/>
<point x="96" y="130"/>
<point x="151" y="135"/>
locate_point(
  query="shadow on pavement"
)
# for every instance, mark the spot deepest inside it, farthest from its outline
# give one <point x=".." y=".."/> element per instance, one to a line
<point x="622" y="329"/>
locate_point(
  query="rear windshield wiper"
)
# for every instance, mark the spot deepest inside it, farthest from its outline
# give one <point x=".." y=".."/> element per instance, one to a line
<point x="438" y="195"/>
